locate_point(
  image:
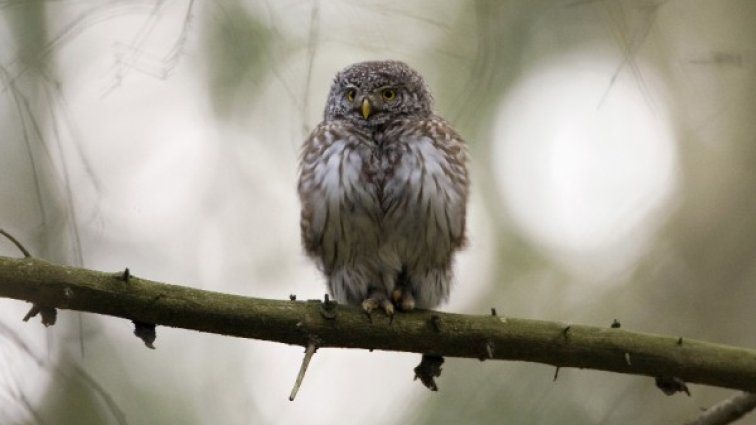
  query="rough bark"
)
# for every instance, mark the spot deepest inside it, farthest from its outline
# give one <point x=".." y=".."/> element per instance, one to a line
<point x="302" y="323"/>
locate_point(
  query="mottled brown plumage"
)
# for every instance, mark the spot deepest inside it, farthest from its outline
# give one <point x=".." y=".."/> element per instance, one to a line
<point x="383" y="186"/>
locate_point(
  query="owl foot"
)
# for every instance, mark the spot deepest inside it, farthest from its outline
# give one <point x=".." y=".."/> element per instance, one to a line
<point x="375" y="301"/>
<point x="403" y="299"/>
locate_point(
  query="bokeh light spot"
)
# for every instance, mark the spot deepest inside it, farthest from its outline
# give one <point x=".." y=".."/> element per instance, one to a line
<point x="586" y="162"/>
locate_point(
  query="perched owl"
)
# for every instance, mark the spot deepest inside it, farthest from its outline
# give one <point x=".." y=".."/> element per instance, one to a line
<point x="383" y="186"/>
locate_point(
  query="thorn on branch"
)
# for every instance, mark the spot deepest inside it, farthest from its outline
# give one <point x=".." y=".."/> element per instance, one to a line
<point x="493" y="311"/>
<point x="616" y="324"/>
<point x="17" y="243"/>
<point x="488" y="350"/>
<point x="309" y="352"/>
<point x="145" y="332"/>
<point x="156" y="298"/>
<point x="436" y="322"/>
<point x="680" y="341"/>
<point x="556" y="374"/>
<point x="566" y="331"/>
<point x="671" y="385"/>
<point x="429" y="369"/>
<point x="123" y="276"/>
<point x="48" y="314"/>
<point x="328" y="308"/>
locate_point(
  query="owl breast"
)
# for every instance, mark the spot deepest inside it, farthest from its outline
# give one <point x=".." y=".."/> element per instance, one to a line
<point x="339" y="188"/>
<point x="384" y="210"/>
<point x="422" y="195"/>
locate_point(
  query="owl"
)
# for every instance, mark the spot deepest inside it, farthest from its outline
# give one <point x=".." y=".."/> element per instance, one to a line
<point x="383" y="186"/>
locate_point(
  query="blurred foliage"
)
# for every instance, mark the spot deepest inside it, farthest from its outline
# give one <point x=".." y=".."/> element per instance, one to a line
<point x="70" y="401"/>
<point x="238" y="48"/>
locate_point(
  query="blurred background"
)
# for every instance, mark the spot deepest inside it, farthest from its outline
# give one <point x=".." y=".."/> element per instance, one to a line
<point x="613" y="157"/>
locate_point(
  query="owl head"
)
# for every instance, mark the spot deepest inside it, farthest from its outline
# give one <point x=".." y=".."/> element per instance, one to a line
<point x="372" y="94"/>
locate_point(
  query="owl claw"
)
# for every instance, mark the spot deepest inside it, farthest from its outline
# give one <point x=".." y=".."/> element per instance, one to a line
<point x="396" y="295"/>
<point x="407" y="301"/>
<point x="403" y="299"/>
<point x="375" y="302"/>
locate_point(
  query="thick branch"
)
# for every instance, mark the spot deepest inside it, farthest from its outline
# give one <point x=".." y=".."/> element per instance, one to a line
<point x="446" y="334"/>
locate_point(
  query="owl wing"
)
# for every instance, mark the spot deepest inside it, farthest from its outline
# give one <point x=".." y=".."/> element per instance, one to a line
<point x="430" y="176"/>
<point x="337" y="191"/>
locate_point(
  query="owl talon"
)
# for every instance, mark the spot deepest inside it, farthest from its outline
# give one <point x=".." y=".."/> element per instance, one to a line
<point x="375" y="302"/>
<point x="396" y="295"/>
<point x="403" y="299"/>
<point x="407" y="301"/>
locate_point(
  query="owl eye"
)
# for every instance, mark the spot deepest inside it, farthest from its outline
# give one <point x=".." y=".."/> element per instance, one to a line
<point x="350" y="94"/>
<point x="388" y="94"/>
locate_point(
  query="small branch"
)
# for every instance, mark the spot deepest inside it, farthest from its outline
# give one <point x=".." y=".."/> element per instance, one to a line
<point x="671" y="385"/>
<point x="448" y="335"/>
<point x="49" y="315"/>
<point x="15" y="242"/>
<point x="428" y="370"/>
<point x="146" y="332"/>
<point x="727" y="411"/>
<point x="309" y="352"/>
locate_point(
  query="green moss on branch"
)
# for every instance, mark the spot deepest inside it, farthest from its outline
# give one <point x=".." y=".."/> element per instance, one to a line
<point x="447" y="334"/>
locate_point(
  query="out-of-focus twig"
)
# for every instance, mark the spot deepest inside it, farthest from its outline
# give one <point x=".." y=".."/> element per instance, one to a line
<point x="727" y="411"/>
<point x="15" y="242"/>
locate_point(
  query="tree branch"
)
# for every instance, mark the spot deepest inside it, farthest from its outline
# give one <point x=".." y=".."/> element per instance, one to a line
<point x="446" y="334"/>
<point x="727" y="411"/>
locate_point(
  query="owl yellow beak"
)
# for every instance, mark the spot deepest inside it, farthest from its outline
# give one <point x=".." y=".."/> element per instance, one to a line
<point x="366" y="108"/>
